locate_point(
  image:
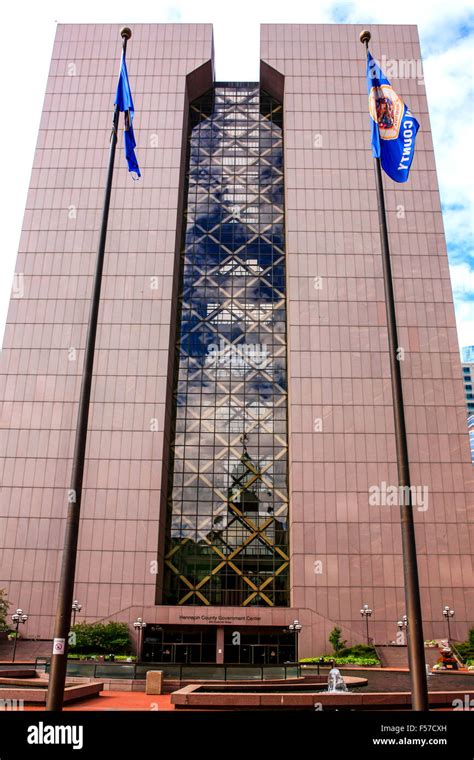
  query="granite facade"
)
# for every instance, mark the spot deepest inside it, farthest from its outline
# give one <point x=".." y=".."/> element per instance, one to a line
<point x="343" y="551"/>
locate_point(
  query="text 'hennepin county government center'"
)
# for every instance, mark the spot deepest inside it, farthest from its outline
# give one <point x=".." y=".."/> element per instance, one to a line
<point x="241" y="413"/>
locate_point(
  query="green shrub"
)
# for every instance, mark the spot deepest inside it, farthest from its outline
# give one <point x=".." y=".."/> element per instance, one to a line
<point x="359" y="654"/>
<point x="465" y="649"/>
<point x="101" y="638"/>
<point x="4" y="605"/>
<point x="336" y="640"/>
<point x="96" y="655"/>
<point x="359" y="650"/>
<point x="367" y="661"/>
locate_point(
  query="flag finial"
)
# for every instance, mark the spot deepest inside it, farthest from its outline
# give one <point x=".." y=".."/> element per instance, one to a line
<point x="126" y="32"/>
<point x="365" y="37"/>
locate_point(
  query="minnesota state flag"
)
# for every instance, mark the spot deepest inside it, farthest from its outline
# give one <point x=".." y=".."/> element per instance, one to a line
<point x="394" y="128"/>
<point x="123" y="99"/>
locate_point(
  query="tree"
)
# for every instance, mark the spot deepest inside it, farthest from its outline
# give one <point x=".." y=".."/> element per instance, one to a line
<point x="101" y="638"/>
<point x="4" y="605"/>
<point x="335" y="639"/>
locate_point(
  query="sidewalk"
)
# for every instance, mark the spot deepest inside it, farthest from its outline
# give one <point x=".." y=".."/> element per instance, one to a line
<point x="118" y="700"/>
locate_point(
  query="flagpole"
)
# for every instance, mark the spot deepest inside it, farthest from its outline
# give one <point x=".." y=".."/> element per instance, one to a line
<point x="415" y="641"/>
<point x="62" y="626"/>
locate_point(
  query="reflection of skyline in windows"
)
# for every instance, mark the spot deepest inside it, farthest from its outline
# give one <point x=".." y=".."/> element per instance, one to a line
<point x="233" y="313"/>
<point x="228" y="499"/>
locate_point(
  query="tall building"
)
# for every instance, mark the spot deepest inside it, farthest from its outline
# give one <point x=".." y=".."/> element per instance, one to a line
<point x="241" y="406"/>
<point x="468" y="380"/>
<point x="470" y="425"/>
<point x="467" y="354"/>
<point x="467" y="367"/>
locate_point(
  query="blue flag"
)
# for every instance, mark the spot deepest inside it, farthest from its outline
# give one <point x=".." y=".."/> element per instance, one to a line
<point x="394" y="128"/>
<point x="123" y="99"/>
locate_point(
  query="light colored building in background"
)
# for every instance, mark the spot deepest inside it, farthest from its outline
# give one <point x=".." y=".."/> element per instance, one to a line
<point x="470" y="425"/>
<point x="328" y="408"/>
<point x="467" y="354"/>
<point x="467" y="367"/>
<point x="468" y="380"/>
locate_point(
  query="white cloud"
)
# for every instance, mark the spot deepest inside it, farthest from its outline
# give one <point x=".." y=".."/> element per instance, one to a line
<point x="450" y="91"/>
<point x="465" y="322"/>
<point x="462" y="280"/>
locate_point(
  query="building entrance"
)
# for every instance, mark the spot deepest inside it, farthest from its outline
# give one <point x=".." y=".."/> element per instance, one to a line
<point x="259" y="647"/>
<point x="193" y="644"/>
<point x="186" y="646"/>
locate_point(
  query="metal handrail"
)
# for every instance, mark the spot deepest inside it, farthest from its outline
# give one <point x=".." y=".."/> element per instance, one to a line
<point x="458" y="655"/>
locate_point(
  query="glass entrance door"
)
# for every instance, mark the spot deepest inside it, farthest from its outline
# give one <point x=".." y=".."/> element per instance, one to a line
<point x="258" y="654"/>
<point x="259" y="647"/>
<point x="181" y="645"/>
<point x="187" y="653"/>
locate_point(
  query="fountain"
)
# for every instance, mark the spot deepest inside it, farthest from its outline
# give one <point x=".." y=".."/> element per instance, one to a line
<point x="336" y="682"/>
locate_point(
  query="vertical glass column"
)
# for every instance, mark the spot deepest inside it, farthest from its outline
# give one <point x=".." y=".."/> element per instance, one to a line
<point x="227" y="537"/>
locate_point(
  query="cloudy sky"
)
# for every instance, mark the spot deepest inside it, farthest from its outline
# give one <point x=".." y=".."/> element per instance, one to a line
<point x="447" y="36"/>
